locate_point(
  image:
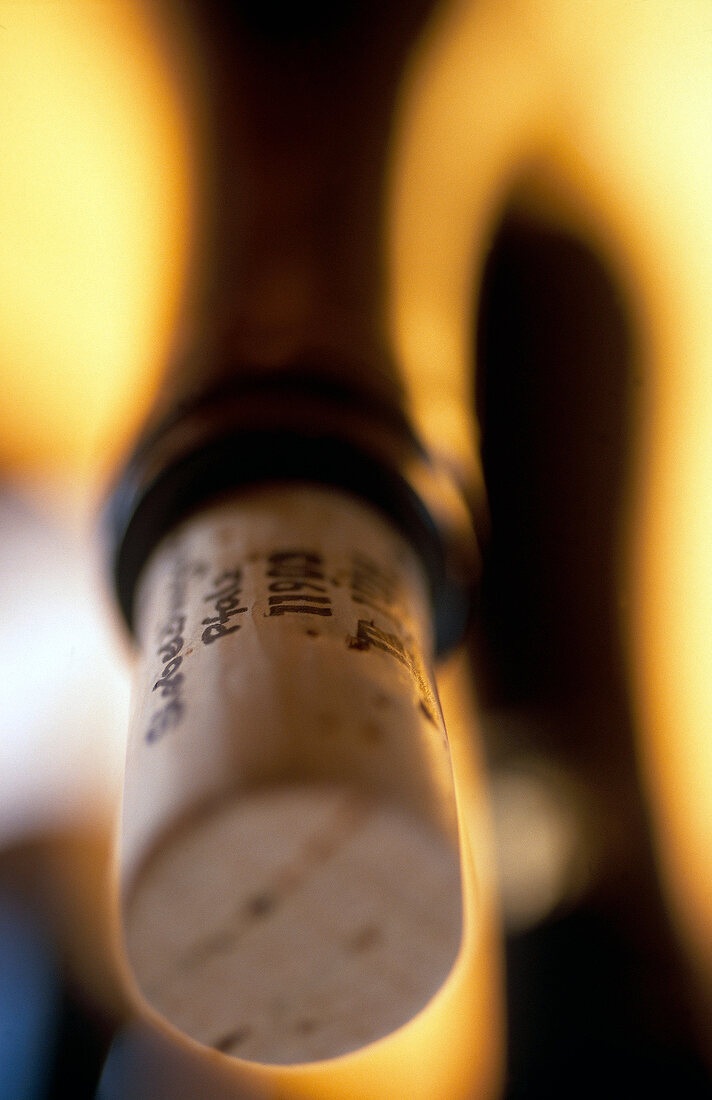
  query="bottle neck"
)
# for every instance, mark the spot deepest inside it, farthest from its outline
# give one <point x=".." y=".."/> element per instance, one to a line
<point x="294" y="136"/>
<point x="283" y="370"/>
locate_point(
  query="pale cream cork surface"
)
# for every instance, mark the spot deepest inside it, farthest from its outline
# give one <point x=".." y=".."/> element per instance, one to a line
<point x="291" y="873"/>
<point x="296" y="924"/>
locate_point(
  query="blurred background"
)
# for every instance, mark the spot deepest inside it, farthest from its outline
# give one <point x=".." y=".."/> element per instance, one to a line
<point x="549" y="250"/>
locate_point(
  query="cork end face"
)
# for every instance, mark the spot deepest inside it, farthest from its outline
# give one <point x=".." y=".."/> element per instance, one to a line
<point x="295" y="923"/>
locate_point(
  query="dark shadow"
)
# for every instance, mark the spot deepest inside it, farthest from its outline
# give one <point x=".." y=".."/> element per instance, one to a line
<point x="598" y="1003"/>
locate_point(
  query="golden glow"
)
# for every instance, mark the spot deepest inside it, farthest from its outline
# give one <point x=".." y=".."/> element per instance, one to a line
<point x="93" y="206"/>
<point x="95" y="203"/>
<point x="643" y="158"/>
<point x="610" y="106"/>
<point x="472" y="112"/>
<point x="608" y="116"/>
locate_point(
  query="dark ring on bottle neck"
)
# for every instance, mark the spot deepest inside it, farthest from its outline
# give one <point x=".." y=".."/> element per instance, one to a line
<point x="253" y="429"/>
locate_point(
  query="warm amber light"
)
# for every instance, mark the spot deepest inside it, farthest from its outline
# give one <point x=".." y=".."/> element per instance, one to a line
<point x="95" y="202"/>
<point x="608" y="118"/>
<point x="93" y="205"/>
<point x="612" y="112"/>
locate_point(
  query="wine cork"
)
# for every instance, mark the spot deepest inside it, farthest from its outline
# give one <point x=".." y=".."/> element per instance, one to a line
<point x="290" y="863"/>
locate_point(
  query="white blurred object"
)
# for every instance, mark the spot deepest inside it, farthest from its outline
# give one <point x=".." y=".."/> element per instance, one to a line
<point x="63" y="688"/>
<point x="544" y="840"/>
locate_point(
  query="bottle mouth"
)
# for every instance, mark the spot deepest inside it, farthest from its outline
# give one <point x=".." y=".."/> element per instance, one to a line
<point x="295" y="923"/>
